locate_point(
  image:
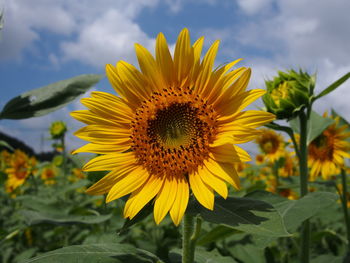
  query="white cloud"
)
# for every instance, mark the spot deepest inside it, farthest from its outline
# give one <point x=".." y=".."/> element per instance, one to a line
<point x="106" y="40"/>
<point x="86" y="20"/>
<point x="252" y="7"/>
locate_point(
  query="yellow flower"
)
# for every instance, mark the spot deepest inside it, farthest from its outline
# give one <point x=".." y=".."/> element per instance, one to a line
<point x="327" y="152"/>
<point x="173" y="129"/>
<point x="271" y="145"/>
<point x="281" y="92"/>
<point x="289" y="167"/>
<point x="58" y="129"/>
<point x="288" y="193"/>
<point x="20" y="167"/>
<point x="77" y="174"/>
<point x="5" y="158"/>
<point x="48" y="175"/>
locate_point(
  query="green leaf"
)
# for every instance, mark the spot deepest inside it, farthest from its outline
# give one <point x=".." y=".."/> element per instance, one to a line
<point x="28" y="253"/>
<point x="217" y="233"/>
<point x="1" y="21"/>
<point x="244" y="214"/>
<point x="49" y="98"/>
<point x="333" y="86"/>
<point x="201" y="256"/>
<point x="5" y="144"/>
<point x="294" y="212"/>
<point x="316" y="125"/>
<point x="106" y="253"/>
<point x="35" y="217"/>
<point x="328" y="259"/>
<point x="145" y="212"/>
<point x="248" y="253"/>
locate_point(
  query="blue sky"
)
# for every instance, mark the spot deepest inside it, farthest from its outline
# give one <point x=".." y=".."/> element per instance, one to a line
<point x="44" y="41"/>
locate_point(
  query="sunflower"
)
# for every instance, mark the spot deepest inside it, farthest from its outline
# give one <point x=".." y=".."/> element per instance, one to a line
<point x="326" y="153"/>
<point x="48" y="175"/>
<point x="289" y="166"/>
<point x="271" y="144"/>
<point x="173" y="128"/>
<point x="20" y="167"/>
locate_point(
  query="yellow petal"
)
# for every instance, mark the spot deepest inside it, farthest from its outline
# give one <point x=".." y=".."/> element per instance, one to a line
<point x="165" y="199"/>
<point x="203" y="193"/>
<point x="239" y="102"/>
<point x="149" y="68"/>
<point x="88" y="117"/>
<point x="120" y="87"/>
<point x="183" y="56"/>
<point x="250" y="118"/>
<point x="127" y="184"/>
<point x="164" y="60"/>
<point x="107" y="182"/>
<point x="103" y="134"/>
<point x="229" y="153"/>
<point x="142" y="196"/>
<point x="225" y="171"/>
<point x="133" y="80"/>
<point x="109" y="162"/>
<point x="215" y="182"/>
<point x="221" y="87"/>
<point x="181" y="200"/>
<point x="102" y="148"/>
<point x="108" y="109"/>
<point x="206" y="68"/>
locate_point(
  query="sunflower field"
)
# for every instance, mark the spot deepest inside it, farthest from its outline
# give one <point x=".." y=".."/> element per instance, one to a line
<point x="164" y="175"/>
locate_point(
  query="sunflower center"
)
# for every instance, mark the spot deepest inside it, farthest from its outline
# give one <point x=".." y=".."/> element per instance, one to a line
<point x="172" y="131"/>
<point x="322" y="148"/>
<point x="175" y="126"/>
<point x="270" y="144"/>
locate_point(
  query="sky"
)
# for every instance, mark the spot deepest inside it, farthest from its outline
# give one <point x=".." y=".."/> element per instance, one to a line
<point x="44" y="41"/>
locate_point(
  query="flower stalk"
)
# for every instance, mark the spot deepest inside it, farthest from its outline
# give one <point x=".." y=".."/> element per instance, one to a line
<point x="190" y="234"/>
<point x="303" y="169"/>
<point x="344" y="205"/>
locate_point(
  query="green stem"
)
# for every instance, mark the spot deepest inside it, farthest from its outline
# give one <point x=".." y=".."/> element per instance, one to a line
<point x="276" y="174"/>
<point x="189" y="238"/>
<point x="345" y="207"/>
<point x="303" y="169"/>
<point x="64" y="157"/>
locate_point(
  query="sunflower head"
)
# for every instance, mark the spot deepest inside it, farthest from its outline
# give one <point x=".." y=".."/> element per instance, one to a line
<point x="58" y="129"/>
<point x="19" y="168"/>
<point x="271" y="145"/>
<point x="173" y="130"/>
<point x="326" y="152"/>
<point x="48" y="175"/>
<point x="288" y="93"/>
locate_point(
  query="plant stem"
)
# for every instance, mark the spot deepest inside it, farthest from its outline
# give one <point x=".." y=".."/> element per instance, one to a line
<point x="303" y="169"/>
<point x="276" y="174"/>
<point x="190" y="235"/>
<point x="64" y="157"/>
<point x="345" y="207"/>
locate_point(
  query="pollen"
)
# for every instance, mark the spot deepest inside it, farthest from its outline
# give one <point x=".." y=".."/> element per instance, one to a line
<point x="172" y="131"/>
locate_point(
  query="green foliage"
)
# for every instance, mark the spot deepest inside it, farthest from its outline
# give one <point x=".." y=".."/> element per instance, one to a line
<point x="316" y="125"/>
<point x="244" y="214"/>
<point x="333" y="86"/>
<point x="294" y="212"/>
<point x="288" y="93"/>
<point x="5" y="144"/>
<point x="202" y="256"/>
<point x="36" y="217"/>
<point x="107" y="253"/>
<point x="49" y="98"/>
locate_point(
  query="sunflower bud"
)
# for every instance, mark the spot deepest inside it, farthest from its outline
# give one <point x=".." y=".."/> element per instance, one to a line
<point x="58" y="129"/>
<point x="288" y="93"/>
